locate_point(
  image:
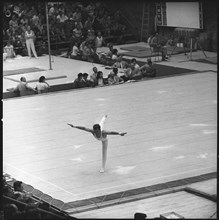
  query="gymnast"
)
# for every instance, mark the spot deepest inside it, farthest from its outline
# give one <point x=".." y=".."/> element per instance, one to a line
<point x="100" y="135"/>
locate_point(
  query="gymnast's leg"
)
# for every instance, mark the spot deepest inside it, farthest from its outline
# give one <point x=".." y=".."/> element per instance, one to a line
<point x="102" y="121"/>
<point x="104" y="155"/>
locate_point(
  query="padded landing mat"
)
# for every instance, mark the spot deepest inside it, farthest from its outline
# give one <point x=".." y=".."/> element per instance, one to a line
<point x="21" y="71"/>
<point x="210" y="60"/>
<point x="133" y="48"/>
<point x="36" y="80"/>
<point x="142" y="52"/>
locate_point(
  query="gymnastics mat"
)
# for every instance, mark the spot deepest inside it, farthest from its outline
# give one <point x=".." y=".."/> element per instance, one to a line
<point x="35" y="80"/>
<point x="134" y="48"/>
<point x="210" y="60"/>
<point x="147" y="52"/>
<point x="21" y="71"/>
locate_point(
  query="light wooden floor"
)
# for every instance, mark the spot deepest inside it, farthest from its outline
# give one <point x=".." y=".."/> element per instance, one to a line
<point x="185" y="204"/>
<point x="171" y="125"/>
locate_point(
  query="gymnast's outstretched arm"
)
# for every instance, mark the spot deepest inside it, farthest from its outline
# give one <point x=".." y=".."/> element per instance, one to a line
<point x="81" y="128"/>
<point x="114" y="133"/>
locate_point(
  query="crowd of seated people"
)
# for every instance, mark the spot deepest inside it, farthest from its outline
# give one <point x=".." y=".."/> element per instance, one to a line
<point x="68" y="22"/>
<point x="21" y="205"/>
<point x="129" y="71"/>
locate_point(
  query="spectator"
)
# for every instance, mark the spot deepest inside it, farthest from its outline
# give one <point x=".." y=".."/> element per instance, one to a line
<point x="90" y="9"/>
<point x="77" y="33"/>
<point x="113" y="77"/>
<point x="32" y="212"/>
<point x="62" y="17"/>
<point x="78" y="83"/>
<point x="115" y="54"/>
<point x="100" y="80"/>
<point x="30" y="37"/>
<point x="110" y="52"/>
<point x="88" y="23"/>
<point x="120" y="63"/>
<point x="156" y="46"/>
<point x="148" y="70"/>
<point x="23" y="89"/>
<point x="13" y="22"/>
<point x="110" y="79"/>
<point x="99" y="41"/>
<point x="42" y="86"/>
<point x="20" y="194"/>
<point x="91" y="37"/>
<point x="24" y="19"/>
<point x="85" y="81"/>
<point x="11" y="212"/>
<point x="131" y="73"/>
<point x="134" y="63"/>
<point x="76" y="54"/>
<point x="9" y="50"/>
<point x="89" y="53"/>
<point x="76" y="15"/>
<point x="93" y="77"/>
<point x="78" y="22"/>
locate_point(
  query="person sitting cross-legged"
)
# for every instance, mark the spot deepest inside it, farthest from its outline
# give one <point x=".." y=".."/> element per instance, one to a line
<point x="148" y="70"/>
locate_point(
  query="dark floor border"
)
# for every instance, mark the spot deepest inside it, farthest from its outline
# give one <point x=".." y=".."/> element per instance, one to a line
<point x="121" y="197"/>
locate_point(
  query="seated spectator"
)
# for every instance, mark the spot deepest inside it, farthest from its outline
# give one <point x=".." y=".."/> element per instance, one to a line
<point x="113" y="77"/>
<point x="148" y="70"/>
<point x="20" y="194"/>
<point x="10" y="32"/>
<point x="76" y="15"/>
<point x="93" y="77"/>
<point x="79" y="22"/>
<point x="76" y="54"/>
<point x="13" y="22"/>
<point x="110" y="52"/>
<point x="77" y="34"/>
<point x="89" y="53"/>
<point x="23" y="89"/>
<point x="42" y="86"/>
<point x="11" y="212"/>
<point x="91" y="37"/>
<point x="78" y="83"/>
<point x="62" y="17"/>
<point x="120" y="63"/>
<point x="156" y="46"/>
<point x="100" y="80"/>
<point x="99" y="41"/>
<point x="90" y="9"/>
<point x="110" y="79"/>
<point x="88" y="25"/>
<point x="131" y="73"/>
<point x="9" y="50"/>
<point x="134" y="63"/>
<point x="32" y="212"/>
<point x="85" y="81"/>
<point x="115" y="54"/>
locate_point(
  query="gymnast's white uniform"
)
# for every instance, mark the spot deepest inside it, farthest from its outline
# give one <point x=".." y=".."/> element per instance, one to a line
<point x="102" y="138"/>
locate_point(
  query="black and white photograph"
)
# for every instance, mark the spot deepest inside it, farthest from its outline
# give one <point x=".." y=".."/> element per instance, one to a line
<point x="109" y="109"/>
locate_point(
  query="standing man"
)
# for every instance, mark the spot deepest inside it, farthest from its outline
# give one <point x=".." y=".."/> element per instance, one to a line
<point x="154" y="43"/>
<point x="30" y="37"/>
